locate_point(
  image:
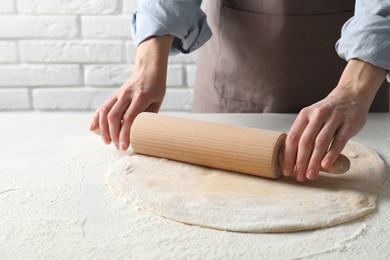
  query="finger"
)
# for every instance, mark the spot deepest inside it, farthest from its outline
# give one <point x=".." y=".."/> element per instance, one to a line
<point x="115" y="117"/>
<point x="95" y="123"/>
<point x="103" y="121"/>
<point x="321" y="145"/>
<point x="291" y="145"/>
<point x="338" y="143"/>
<point x="136" y="107"/>
<point x="305" y="149"/>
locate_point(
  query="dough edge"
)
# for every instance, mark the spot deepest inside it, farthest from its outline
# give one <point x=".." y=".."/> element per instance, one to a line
<point x="115" y="180"/>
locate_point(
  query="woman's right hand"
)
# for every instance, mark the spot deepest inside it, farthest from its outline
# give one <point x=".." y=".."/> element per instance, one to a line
<point x="143" y="91"/>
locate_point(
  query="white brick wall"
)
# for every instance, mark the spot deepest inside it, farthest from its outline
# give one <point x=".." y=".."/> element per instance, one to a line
<point x="73" y="54"/>
<point x="8" y="52"/>
<point x="68" y="6"/>
<point x="31" y="27"/>
<point x="6" y="6"/>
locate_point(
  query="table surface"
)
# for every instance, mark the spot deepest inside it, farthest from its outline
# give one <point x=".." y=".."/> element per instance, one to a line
<point x="55" y="203"/>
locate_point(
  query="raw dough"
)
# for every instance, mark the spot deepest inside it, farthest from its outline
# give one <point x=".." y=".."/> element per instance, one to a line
<point x="235" y="202"/>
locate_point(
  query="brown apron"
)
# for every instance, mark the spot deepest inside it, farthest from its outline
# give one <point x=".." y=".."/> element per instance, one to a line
<point x="272" y="55"/>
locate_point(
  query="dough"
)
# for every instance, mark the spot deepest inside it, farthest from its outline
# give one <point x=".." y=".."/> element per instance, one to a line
<point x="236" y="202"/>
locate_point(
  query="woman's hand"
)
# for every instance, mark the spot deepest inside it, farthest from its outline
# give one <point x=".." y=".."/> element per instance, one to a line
<point x="144" y="91"/>
<point x="321" y="131"/>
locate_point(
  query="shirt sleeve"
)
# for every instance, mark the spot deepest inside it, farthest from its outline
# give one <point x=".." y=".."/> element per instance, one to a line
<point x="366" y="35"/>
<point x="183" y="19"/>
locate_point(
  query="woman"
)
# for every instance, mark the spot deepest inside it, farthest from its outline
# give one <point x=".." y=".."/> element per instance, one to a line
<point x="264" y="56"/>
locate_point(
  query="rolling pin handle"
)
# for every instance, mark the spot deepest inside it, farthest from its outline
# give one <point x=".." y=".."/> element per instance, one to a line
<point x="340" y="166"/>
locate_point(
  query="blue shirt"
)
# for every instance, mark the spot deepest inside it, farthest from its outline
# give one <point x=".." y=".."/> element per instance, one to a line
<point x="365" y="36"/>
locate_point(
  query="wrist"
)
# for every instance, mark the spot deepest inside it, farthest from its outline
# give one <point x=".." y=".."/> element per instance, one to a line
<point x="153" y="53"/>
<point x="360" y="81"/>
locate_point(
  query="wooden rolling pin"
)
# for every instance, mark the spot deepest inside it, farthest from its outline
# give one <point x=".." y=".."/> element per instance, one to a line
<point x="240" y="149"/>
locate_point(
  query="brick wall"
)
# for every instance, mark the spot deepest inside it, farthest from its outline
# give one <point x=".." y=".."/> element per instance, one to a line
<point x="72" y="54"/>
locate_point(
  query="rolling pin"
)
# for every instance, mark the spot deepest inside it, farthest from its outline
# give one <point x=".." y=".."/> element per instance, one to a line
<point x="234" y="148"/>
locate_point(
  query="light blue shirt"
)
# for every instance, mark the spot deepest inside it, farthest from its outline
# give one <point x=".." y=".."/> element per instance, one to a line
<point x="365" y="36"/>
<point x="181" y="18"/>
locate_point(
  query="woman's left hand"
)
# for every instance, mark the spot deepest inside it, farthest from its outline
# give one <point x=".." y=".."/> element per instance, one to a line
<point x="321" y="131"/>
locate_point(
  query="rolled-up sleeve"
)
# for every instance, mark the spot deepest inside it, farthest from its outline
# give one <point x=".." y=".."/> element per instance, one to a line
<point x="182" y="19"/>
<point x="366" y="35"/>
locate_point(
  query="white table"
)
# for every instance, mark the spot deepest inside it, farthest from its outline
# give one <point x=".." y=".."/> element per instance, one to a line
<point x="54" y="202"/>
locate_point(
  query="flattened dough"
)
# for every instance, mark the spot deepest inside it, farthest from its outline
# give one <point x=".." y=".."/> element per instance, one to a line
<point x="235" y="202"/>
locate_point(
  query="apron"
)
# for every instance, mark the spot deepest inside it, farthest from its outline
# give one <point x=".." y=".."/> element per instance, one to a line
<point x="272" y="56"/>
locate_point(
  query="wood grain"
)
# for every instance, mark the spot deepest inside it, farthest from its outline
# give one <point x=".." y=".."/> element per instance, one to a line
<point x="233" y="148"/>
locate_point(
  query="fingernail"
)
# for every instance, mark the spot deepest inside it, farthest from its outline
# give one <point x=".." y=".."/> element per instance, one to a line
<point x="92" y="126"/>
<point x="287" y="171"/>
<point x="326" y="163"/>
<point x="123" y="146"/>
<point x="106" y="139"/>
<point x="301" y="177"/>
<point x="116" y="146"/>
<point x="311" y="175"/>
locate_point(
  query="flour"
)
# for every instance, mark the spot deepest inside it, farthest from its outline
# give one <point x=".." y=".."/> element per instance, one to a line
<point x="54" y="204"/>
<point x="235" y="202"/>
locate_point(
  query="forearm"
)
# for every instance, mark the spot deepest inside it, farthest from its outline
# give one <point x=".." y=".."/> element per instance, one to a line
<point x="152" y="54"/>
<point x="360" y="81"/>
